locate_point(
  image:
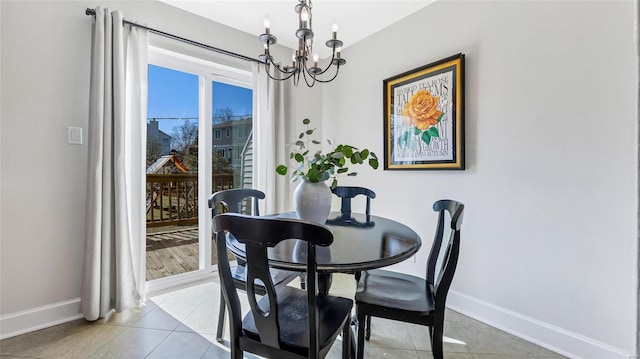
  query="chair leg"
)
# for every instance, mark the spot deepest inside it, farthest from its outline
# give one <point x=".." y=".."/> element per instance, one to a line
<point x="360" y="346"/>
<point x="236" y="353"/>
<point x="367" y="333"/>
<point x="436" y="340"/>
<point x="303" y="280"/>
<point x="346" y="340"/>
<point x="221" y="317"/>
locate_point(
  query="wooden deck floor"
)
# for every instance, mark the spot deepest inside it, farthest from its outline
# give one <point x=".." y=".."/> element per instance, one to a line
<point x="173" y="252"/>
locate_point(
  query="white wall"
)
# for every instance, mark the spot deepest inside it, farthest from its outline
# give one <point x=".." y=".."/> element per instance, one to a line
<point x="45" y="88"/>
<point x="549" y="239"/>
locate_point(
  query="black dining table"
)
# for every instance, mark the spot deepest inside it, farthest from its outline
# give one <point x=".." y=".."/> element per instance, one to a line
<point x="360" y="242"/>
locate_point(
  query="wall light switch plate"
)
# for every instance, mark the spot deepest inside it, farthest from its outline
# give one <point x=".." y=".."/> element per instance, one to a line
<point x="74" y="135"/>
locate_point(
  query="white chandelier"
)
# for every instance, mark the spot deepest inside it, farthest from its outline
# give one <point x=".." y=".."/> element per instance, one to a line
<point x="301" y="56"/>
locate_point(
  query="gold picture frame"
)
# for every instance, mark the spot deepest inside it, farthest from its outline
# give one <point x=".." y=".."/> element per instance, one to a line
<point x="424" y="117"/>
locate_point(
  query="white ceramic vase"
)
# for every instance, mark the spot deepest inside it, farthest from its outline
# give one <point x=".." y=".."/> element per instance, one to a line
<point x="312" y="201"/>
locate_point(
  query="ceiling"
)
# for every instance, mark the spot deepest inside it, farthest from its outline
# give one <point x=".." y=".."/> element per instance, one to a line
<point x="356" y="19"/>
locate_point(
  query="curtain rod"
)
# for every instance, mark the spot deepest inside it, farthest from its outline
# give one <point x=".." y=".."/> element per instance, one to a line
<point x="92" y="12"/>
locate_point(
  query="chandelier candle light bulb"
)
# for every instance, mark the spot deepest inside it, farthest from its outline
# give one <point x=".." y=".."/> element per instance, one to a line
<point x="267" y="25"/>
<point x="304" y="18"/>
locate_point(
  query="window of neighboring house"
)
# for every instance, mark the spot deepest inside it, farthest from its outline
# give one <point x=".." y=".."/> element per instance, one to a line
<point x="217" y="134"/>
<point x="232" y="106"/>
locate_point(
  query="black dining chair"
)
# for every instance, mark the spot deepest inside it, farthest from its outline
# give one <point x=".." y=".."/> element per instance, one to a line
<point x="411" y="299"/>
<point x="242" y="200"/>
<point x="346" y="193"/>
<point x="286" y="322"/>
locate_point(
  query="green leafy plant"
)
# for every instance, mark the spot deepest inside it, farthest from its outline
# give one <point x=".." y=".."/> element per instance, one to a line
<point x="318" y="166"/>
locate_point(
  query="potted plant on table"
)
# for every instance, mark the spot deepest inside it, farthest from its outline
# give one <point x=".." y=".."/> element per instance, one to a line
<point x="312" y="196"/>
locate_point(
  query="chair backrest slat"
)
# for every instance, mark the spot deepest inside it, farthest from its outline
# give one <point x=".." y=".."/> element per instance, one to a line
<point x="312" y="305"/>
<point x="259" y="270"/>
<point x="346" y="193"/>
<point x="228" y="287"/>
<point x="443" y="258"/>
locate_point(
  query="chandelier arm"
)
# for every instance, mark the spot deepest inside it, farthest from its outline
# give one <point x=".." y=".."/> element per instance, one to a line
<point x="328" y="66"/>
<point x="282" y="79"/>
<point x="315" y="76"/>
<point x="271" y="77"/>
<point x="270" y="60"/>
<point x="331" y="79"/>
<point x="289" y="76"/>
<point x="304" y="74"/>
<point x="306" y="69"/>
<point x="296" y="79"/>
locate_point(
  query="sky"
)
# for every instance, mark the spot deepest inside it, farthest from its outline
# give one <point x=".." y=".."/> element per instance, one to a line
<point x="175" y="94"/>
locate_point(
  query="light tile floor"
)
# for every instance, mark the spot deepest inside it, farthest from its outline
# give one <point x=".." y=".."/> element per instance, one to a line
<point x="182" y="324"/>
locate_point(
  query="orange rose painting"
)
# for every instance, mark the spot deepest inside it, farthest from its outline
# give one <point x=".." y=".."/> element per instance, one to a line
<point x="424" y="117"/>
<point x="422" y="110"/>
<point x="421" y="115"/>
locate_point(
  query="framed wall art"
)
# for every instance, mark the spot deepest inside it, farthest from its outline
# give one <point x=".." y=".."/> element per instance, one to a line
<point x="424" y="117"/>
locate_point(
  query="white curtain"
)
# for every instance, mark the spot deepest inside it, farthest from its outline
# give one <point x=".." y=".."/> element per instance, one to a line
<point x="114" y="273"/>
<point x="271" y="110"/>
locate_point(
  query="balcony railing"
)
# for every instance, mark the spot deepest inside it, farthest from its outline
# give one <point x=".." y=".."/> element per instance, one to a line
<point x="172" y="199"/>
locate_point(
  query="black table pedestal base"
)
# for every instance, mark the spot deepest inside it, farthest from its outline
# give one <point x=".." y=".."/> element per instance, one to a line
<point x="324" y="283"/>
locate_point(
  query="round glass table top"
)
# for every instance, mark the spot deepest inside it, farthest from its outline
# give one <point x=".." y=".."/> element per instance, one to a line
<point x="360" y="242"/>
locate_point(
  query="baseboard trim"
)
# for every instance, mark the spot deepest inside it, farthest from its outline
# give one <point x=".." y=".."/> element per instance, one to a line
<point x="559" y="340"/>
<point x="162" y="285"/>
<point x="39" y="318"/>
<point x="30" y="320"/>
